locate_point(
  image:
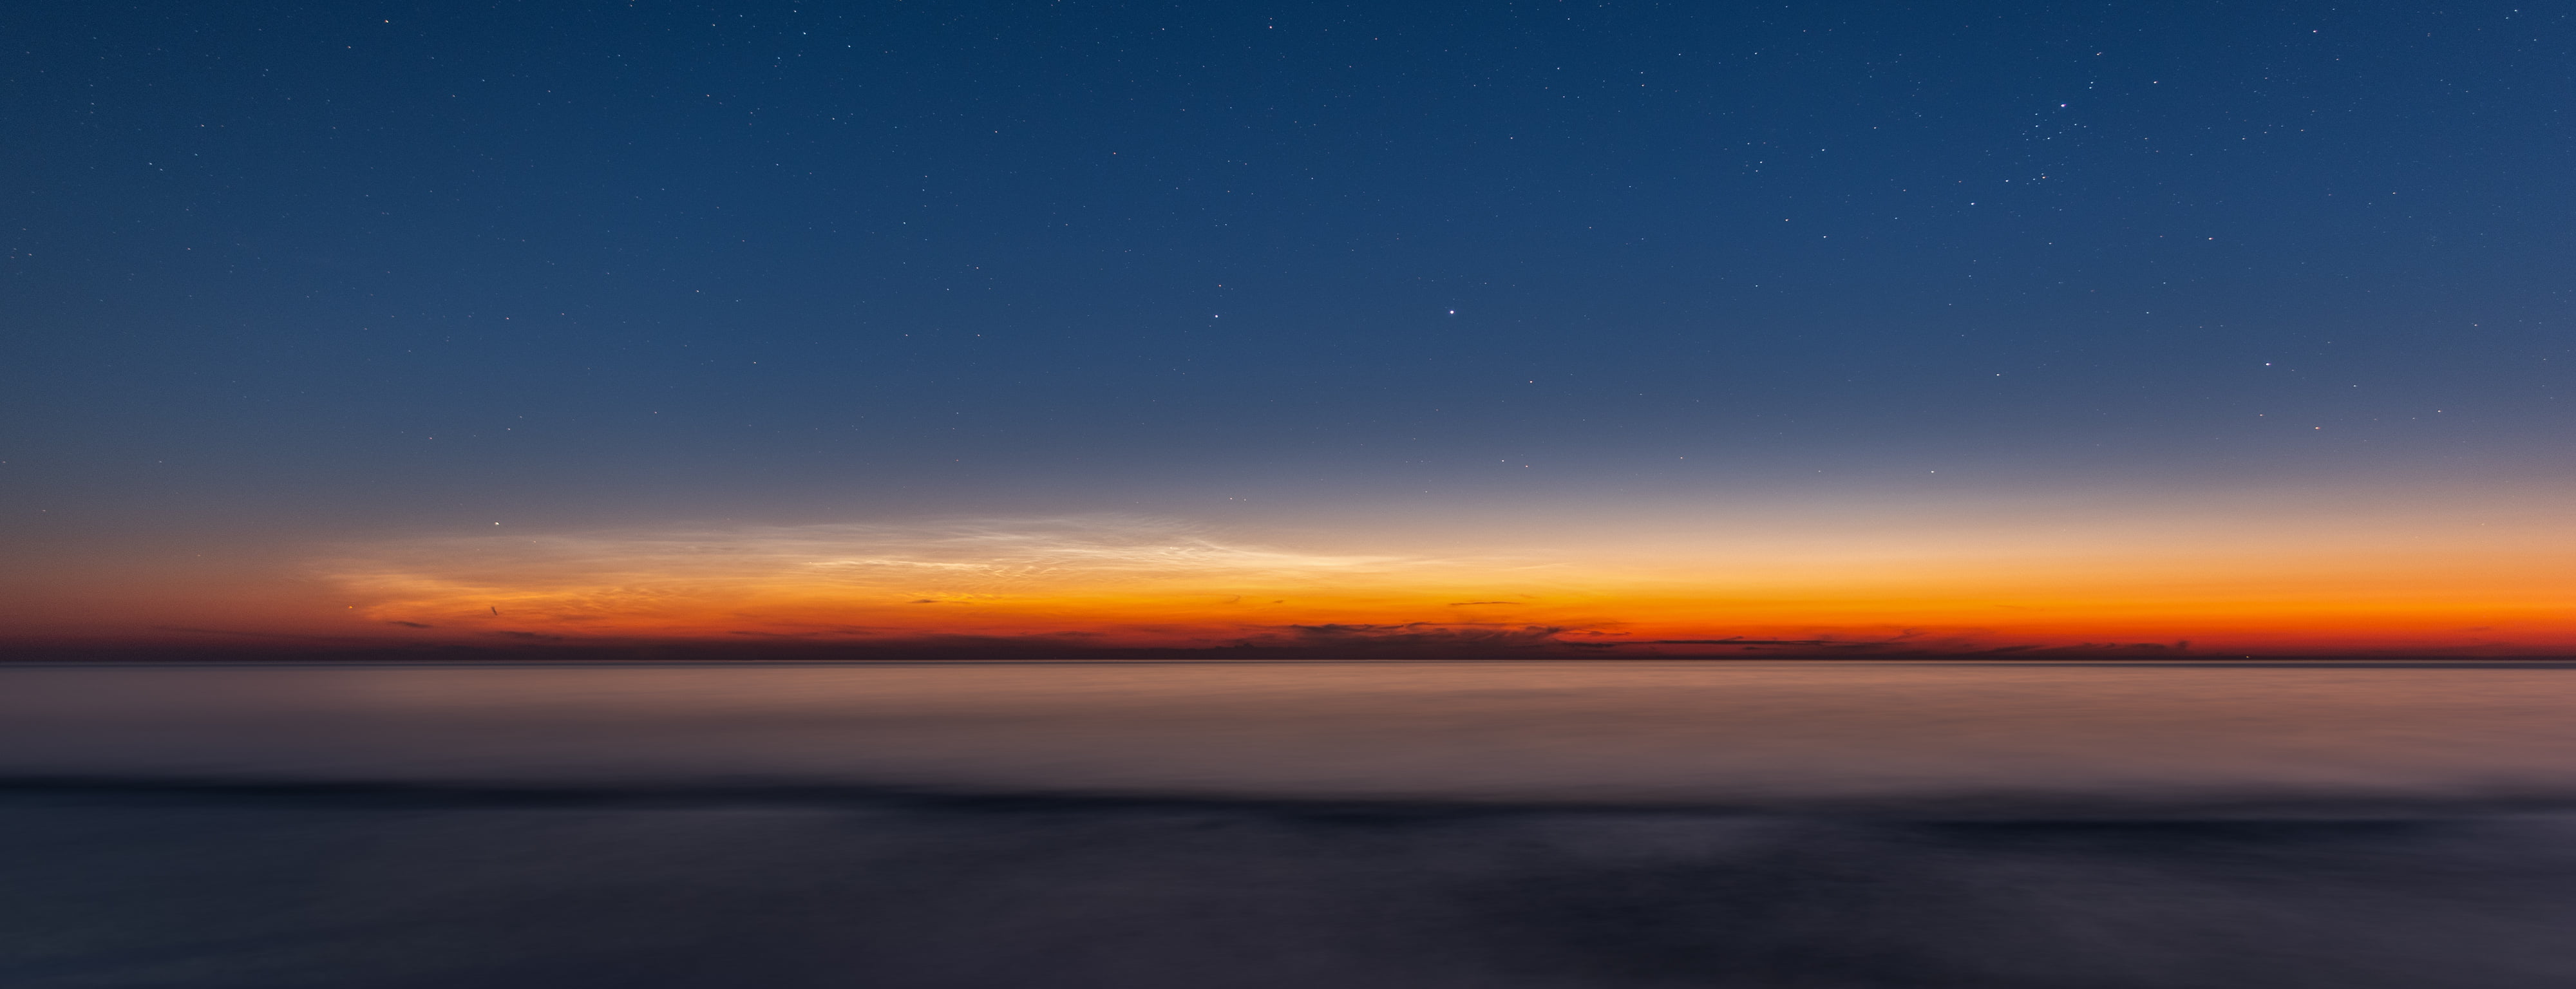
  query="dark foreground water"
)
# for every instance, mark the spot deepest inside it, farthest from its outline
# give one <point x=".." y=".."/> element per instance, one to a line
<point x="1615" y="824"/>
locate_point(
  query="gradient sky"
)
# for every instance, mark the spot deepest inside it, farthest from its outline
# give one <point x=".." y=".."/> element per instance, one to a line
<point x="1574" y="326"/>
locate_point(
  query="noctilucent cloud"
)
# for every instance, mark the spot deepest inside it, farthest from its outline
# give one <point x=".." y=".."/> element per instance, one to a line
<point x="1603" y="328"/>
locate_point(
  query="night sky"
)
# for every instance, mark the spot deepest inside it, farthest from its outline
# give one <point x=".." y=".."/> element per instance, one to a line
<point x="1543" y="326"/>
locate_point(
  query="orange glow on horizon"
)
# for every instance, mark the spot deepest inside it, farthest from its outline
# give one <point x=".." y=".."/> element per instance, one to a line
<point x="2226" y="581"/>
<point x="1122" y="583"/>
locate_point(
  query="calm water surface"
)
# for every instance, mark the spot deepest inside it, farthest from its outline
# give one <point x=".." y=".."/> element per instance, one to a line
<point x="1595" y="825"/>
<point x="1768" y="734"/>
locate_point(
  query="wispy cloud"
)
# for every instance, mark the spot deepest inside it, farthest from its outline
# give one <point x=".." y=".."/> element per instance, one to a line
<point x="1000" y="554"/>
<point x="980" y="553"/>
<point x="767" y="574"/>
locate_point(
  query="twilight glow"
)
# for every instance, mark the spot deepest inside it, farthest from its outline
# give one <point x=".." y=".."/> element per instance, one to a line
<point x="1605" y="332"/>
<point x="2225" y="578"/>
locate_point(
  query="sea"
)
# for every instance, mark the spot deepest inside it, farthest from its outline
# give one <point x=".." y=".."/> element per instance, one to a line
<point x="1137" y="825"/>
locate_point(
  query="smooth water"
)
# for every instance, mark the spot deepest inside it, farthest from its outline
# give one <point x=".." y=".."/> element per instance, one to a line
<point x="2126" y="738"/>
<point x="1290" y="824"/>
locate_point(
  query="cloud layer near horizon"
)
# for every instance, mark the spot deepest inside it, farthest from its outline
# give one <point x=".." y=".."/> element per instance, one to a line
<point x="1144" y="577"/>
<point x="1114" y="581"/>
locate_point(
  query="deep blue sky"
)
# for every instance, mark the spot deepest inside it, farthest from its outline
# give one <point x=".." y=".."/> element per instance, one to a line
<point x="359" y="265"/>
